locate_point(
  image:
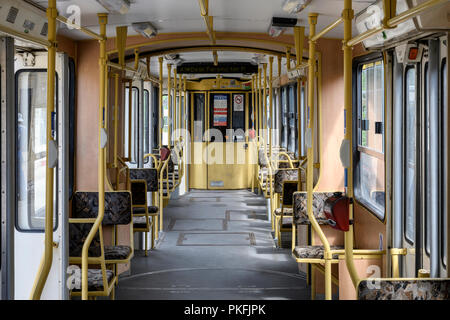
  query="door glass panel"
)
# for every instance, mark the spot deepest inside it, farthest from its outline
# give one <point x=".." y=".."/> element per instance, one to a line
<point x="146" y="124"/>
<point x="199" y="116"/>
<point x="134" y="127"/>
<point x="410" y="154"/>
<point x="31" y="149"/>
<point x="370" y="168"/>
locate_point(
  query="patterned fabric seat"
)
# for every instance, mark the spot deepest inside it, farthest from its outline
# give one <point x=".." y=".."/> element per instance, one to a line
<point x="287" y="211"/>
<point x="300" y="207"/>
<point x="263" y="173"/>
<point x="287" y="222"/>
<point x="140" y="223"/>
<point x="404" y="289"/>
<point x="314" y="252"/>
<point x="95" y="279"/>
<point x="284" y="175"/>
<point x="150" y="175"/>
<point x="117" y="206"/>
<point x="117" y="252"/>
<point x="140" y="210"/>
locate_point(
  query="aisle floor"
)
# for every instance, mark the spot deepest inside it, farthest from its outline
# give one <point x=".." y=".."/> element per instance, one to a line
<point x="215" y="245"/>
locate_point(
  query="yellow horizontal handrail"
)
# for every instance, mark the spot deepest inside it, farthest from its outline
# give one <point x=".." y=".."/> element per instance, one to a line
<point x="327" y="29"/>
<point x="82" y="29"/>
<point x="153" y="156"/>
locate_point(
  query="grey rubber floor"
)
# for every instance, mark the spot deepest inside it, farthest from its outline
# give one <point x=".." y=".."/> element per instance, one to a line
<point x="215" y="245"/>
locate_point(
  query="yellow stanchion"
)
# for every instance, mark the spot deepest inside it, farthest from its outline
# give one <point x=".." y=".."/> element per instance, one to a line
<point x="347" y="15"/>
<point x="160" y="59"/>
<point x="169" y="102"/>
<point x="46" y="262"/>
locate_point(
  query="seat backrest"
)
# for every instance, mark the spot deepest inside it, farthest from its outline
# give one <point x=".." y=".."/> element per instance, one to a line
<point x="300" y="207"/>
<point x="138" y="192"/>
<point x="289" y="188"/>
<point x="150" y="175"/>
<point x="404" y="289"/>
<point x="78" y="233"/>
<point x="117" y="206"/>
<point x="282" y="175"/>
<point x="261" y="158"/>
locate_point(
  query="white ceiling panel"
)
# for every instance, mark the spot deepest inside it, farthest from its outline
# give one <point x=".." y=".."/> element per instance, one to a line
<point x="184" y="15"/>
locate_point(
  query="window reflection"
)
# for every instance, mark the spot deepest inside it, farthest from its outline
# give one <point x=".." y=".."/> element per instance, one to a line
<point x="31" y="149"/>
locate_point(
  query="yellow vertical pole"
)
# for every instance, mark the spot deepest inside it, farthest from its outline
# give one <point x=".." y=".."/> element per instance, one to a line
<point x="103" y="20"/>
<point x="347" y="15"/>
<point x="279" y="91"/>
<point x="175" y="98"/>
<point x="312" y="18"/>
<point x="270" y="102"/>
<point x="180" y="107"/>
<point x="46" y="262"/>
<point x="264" y="114"/>
<point x="260" y="100"/>
<point x="116" y="118"/>
<point x="130" y="113"/>
<point x="253" y="101"/>
<point x="136" y="59"/>
<point x="160" y="110"/>
<point x="169" y="101"/>
<point x="270" y="131"/>
<point x="256" y="116"/>
<point x="299" y="33"/>
<point x="288" y="58"/>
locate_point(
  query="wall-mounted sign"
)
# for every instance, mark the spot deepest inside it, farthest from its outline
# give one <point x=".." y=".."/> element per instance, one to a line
<point x="238" y="102"/>
<point x="220" y="110"/>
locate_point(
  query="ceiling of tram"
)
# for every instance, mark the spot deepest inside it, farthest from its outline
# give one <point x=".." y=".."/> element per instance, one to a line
<point x="173" y="16"/>
<point x="234" y="17"/>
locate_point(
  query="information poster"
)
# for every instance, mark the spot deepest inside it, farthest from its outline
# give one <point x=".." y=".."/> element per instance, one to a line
<point x="238" y="102"/>
<point x="220" y="110"/>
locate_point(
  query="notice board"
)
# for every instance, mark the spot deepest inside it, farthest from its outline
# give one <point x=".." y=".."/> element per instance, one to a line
<point x="220" y="110"/>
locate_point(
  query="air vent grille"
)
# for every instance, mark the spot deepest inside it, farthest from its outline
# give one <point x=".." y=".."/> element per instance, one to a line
<point x="12" y="14"/>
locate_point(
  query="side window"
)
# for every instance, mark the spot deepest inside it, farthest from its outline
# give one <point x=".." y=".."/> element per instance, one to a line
<point x="146" y="123"/>
<point x="284" y="118"/>
<point x="410" y="153"/>
<point x="134" y="113"/>
<point x="165" y="131"/>
<point x="303" y="103"/>
<point x="72" y="123"/>
<point x="369" y="169"/>
<point x="155" y="115"/>
<point x="31" y="145"/>
<point x="293" y="134"/>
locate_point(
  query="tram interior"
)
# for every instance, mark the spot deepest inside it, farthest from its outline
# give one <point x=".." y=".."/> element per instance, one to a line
<point x="224" y="150"/>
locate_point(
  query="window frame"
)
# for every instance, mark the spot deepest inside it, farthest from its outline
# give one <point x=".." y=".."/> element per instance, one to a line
<point x="146" y="124"/>
<point x="417" y="152"/>
<point x="16" y="170"/>
<point x="127" y="130"/>
<point x="357" y="149"/>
